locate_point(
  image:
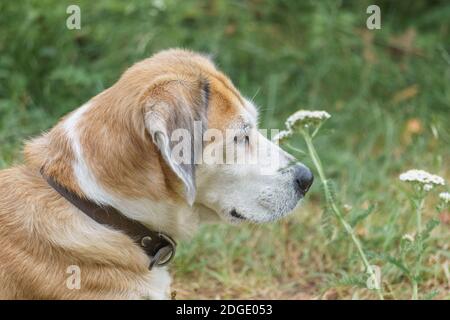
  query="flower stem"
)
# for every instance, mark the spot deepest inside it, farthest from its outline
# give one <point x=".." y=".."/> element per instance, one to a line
<point x="294" y="148"/>
<point x="415" y="284"/>
<point x="415" y="290"/>
<point x="419" y="215"/>
<point x="317" y="163"/>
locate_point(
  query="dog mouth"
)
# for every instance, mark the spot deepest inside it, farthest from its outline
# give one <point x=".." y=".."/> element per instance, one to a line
<point x="236" y="215"/>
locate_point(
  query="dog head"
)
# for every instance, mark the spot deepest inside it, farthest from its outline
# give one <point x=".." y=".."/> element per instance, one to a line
<point x="208" y="135"/>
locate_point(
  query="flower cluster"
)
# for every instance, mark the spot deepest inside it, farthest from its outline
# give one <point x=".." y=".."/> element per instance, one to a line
<point x="300" y="118"/>
<point x="427" y="180"/>
<point x="445" y="196"/>
<point x="408" y="237"/>
<point x="281" y="136"/>
<point x="306" y="117"/>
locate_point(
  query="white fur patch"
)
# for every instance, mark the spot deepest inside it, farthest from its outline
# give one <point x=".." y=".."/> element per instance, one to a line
<point x="158" y="286"/>
<point x="160" y="216"/>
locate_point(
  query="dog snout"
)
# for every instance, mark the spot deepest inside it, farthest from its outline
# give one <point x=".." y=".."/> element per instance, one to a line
<point x="303" y="178"/>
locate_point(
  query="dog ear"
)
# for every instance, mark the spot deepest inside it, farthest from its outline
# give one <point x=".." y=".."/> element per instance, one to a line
<point x="172" y="107"/>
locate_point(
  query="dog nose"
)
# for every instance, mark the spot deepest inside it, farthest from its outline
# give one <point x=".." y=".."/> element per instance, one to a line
<point x="303" y="178"/>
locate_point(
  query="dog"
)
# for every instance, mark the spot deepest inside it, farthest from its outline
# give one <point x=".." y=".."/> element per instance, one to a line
<point x="113" y="158"/>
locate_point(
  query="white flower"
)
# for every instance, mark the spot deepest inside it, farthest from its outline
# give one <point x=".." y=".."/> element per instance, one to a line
<point x="281" y="136"/>
<point x="408" y="237"/>
<point x="445" y="196"/>
<point x="422" y="177"/>
<point x="347" y="207"/>
<point x="304" y="117"/>
<point x="427" y="187"/>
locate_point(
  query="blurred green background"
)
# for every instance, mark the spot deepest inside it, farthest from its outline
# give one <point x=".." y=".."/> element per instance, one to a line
<point x="388" y="91"/>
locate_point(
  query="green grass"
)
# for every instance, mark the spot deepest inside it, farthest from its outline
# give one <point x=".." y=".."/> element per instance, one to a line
<point x="388" y="92"/>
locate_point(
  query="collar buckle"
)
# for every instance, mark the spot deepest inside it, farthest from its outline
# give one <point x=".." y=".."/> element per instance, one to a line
<point x="162" y="252"/>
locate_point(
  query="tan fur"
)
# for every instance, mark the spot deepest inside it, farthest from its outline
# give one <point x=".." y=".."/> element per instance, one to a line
<point x="42" y="234"/>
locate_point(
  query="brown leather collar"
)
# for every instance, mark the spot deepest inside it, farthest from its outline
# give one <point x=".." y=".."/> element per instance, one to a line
<point x="159" y="247"/>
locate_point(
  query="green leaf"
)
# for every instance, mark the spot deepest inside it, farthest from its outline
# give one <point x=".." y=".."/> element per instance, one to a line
<point x="433" y="223"/>
<point x="357" y="217"/>
<point x="326" y="222"/>
<point x="351" y="280"/>
<point x="332" y="189"/>
<point x="399" y="264"/>
<point x="419" y="245"/>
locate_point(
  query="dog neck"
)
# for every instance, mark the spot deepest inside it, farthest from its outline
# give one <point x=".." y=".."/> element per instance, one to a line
<point x="159" y="247"/>
<point x="113" y="163"/>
